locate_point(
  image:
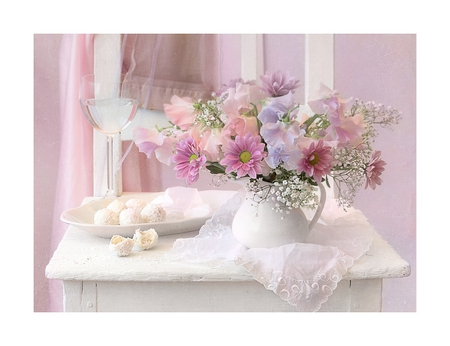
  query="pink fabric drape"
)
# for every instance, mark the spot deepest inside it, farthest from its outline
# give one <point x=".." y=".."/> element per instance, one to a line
<point x="75" y="163"/>
<point x="170" y="64"/>
<point x="183" y="65"/>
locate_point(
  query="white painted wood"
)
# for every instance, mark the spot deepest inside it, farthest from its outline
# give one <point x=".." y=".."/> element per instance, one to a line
<point x="210" y="296"/>
<point x="192" y="296"/>
<point x="82" y="256"/>
<point x="252" y="57"/>
<point x="358" y="295"/>
<point x="381" y="261"/>
<point x="319" y="68"/>
<point x="107" y="59"/>
<point x="89" y="296"/>
<point x="72" y="292"/>
<point x="319" y="62"/>
<point x="340" y="300"/>
<point x="92" y="275"/>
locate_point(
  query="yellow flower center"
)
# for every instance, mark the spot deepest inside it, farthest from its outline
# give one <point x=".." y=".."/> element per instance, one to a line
<point x="313" y="159"/>
<point x="245" y="156"/>
<point x="193" y="157"/>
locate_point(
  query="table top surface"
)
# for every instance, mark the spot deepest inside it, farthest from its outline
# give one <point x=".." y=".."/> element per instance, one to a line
<point x="82" y="256"/>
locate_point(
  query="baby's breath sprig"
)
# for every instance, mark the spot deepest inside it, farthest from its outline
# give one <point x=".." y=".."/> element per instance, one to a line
<point x="289" y="190"/>
<point x="375" y="114"/>
<point x="348" y="172"/>
<point x="209" y="114"/>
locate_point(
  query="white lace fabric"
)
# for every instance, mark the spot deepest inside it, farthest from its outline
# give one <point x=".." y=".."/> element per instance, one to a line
<point x="303" y="274"/>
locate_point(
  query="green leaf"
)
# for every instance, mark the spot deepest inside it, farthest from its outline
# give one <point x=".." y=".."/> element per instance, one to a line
<point x="327" y="182"/>
<point x="310" y="120"/>
<point x="216" y="168"/>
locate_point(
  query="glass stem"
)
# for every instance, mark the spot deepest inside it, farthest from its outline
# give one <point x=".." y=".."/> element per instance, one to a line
<point x="109" y="166"/>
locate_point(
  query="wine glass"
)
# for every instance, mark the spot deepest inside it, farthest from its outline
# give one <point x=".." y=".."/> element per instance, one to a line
<point x="109" y="103"/>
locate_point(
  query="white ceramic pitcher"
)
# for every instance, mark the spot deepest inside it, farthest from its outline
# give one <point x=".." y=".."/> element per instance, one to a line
<point x="260" y="226"/>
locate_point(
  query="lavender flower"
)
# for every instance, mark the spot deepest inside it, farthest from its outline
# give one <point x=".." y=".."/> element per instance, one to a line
<point x="280" y="155"/>
<point x="273" y="113"/>
<point x="278" y="84"/>
<point x="280" y="129"/>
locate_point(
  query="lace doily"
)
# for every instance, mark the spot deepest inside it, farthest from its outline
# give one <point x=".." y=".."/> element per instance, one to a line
<point x="303" y="274"/>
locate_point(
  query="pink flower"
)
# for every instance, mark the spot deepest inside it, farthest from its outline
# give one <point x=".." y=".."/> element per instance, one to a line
<point x="208" y="140"/>
<point x="374" y="170"/>
<point x="241" y="125"/>
<point x="246" y="95"/>
<point x="181" y="111"/>
<point x="244" y="156"/>
<point x="241" y="99"/>
<point x="278" y="83"/>
<point x="327" y="101"/>
<point x="231" y="84"/>
<point x="348" y="130"/>
<point x="317" y="160"/>
<point x="188" y="160"/>
<point x="151" y="141"/>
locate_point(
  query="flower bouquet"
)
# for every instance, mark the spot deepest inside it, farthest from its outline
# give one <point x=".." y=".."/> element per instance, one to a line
<point x="258" y="132"/>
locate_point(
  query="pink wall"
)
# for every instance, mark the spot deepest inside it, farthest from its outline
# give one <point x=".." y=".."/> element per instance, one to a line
<point x="371" y="67"/>
<point x="382" y="68"/>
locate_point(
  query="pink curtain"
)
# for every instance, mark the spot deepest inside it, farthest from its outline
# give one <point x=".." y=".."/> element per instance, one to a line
<point x="170" y="64"/>
<point x="185" y="65"/>
<point x="75" y="163"/>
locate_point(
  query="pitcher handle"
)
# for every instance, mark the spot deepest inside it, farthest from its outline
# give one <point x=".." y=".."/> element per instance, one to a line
<point x="320" y="207"/>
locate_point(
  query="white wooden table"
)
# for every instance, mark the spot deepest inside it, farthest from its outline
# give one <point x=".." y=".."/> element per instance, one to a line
<point x="95" y="280"/>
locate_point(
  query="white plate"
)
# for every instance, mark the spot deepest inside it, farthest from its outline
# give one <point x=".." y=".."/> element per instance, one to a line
<point x="82" y="217"/>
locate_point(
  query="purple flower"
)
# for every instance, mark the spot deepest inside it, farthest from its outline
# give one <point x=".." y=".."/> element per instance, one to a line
<point x="244" y="156"/>
<point x="278" y="84"/>
<point x="188" y="160"/>
<point x="281" y="134"/>
<point x="272" y="113"/>
<point x="280" y="128"/>
<point x="317" y="160"/>
<point x="374" y="170"/>
<point x="279" y="155"/>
